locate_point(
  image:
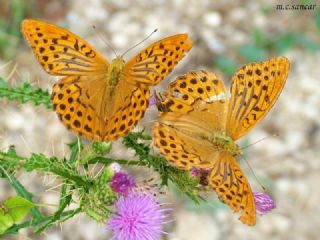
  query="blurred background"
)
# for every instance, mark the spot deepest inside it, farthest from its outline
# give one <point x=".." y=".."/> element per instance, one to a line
<point x="226" y="35"/>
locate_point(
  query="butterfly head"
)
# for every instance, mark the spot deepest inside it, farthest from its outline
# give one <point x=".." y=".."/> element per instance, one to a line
<point x="118" y="61"/>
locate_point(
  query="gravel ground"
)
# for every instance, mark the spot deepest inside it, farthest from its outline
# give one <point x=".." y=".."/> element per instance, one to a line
<point x="287" y="164"/>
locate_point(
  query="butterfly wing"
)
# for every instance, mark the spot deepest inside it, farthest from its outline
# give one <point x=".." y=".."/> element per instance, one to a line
<point x="199" y="99"/>
<point x="129" y="106"/>
<point x="61" y="52"/>
<point x="79" y="106"/>
<point x="155" y="62"/>
<point x="254" y="90"/>
<point x="193" y="105"/>
<point x="233" y="188"/>
<point x="181" y="149"/>
<point x="88" y="111"/>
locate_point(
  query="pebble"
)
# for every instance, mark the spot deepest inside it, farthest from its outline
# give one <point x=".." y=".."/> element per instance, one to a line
<point x="212" y="19"/>
<point x="202" y="222"/>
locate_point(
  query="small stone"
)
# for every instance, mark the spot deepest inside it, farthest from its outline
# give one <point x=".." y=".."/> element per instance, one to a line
<point x="212" y="19"/>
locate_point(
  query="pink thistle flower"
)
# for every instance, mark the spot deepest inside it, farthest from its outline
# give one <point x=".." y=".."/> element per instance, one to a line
<point x="121" y="182"/>
<point x="195" y="172"/>
<point x="138" y="217"/>
<point x="264" y="202"/>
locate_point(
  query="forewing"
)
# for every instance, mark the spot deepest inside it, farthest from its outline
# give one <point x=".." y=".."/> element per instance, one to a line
<point x="255" y="88"/>
<point x="155" y="62"/>
<point x="200" y="99"/>
<point x="233" y="188"/>
<point x="61" y="52"/>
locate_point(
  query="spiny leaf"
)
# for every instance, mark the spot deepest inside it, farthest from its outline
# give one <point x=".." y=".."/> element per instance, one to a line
<point x="65" y="170"/>
<point x="65" y="200"/>
<point x="75" y="146"/>
<point x="25" y="93"/>
<point x="22" y="191"/>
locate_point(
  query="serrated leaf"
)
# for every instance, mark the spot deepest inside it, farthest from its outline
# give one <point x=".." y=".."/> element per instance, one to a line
<point x="25" y="93"/>
<point x="6" y="221"/>
<point x="18" y="207"/>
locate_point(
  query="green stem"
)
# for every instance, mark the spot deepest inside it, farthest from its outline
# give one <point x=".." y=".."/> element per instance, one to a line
<point x="6" y="157"/>
<point x="107" y="161"/>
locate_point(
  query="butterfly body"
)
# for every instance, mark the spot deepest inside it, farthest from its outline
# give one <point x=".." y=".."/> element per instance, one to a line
<point x="199" y="125"/>
<point x="95" y="98"/>
<point x="115" y="71"/>
<point x="224" y="143"/>
<point x="114" y="75"/>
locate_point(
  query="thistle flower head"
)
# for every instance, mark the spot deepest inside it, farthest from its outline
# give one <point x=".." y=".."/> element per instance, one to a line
<point x="138" y="216"/>
<point x="197" y="172"/>
<point x="121" y="182"/>
<point x="264" y="202"/>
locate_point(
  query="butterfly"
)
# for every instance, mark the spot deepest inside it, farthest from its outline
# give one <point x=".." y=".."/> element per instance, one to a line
<point x="95" y="98"/>
<point x="199" y="124"/>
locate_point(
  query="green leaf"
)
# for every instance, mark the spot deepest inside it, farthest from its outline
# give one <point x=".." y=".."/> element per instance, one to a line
<point x="260" y="39"/>
<point x="6" y="221"/>
<point x="306" y="42"/>
<point x="252" y="52"/>
<point x="284" y="42"/>
<point x="75" y="146"/>
<point x="18" y="207"/>
<point x="64" y="202"/>
<point x="226" y="65"/>
<point x="22" y="191"/>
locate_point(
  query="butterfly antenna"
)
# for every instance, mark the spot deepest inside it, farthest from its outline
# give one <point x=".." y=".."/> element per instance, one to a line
<point x="139" y="42"/>
<point x="106" y="42"/>
<point x="261" y="185"/>
<point x="260" y="140"/>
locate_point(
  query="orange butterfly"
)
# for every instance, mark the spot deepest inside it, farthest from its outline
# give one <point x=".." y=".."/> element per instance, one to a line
<point x="96" y="99"/>
<point x="200" y="124"/>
